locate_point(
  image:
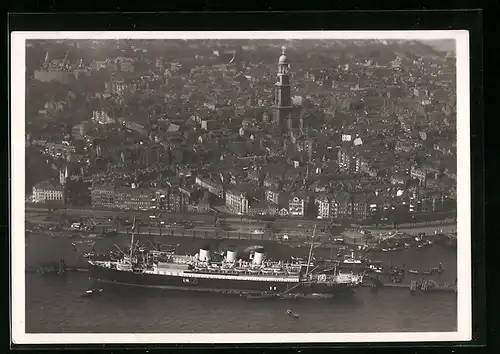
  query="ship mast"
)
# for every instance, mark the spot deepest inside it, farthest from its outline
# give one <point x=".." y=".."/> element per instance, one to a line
<point x="311" y="250"/>
<point x="132" y="242"/>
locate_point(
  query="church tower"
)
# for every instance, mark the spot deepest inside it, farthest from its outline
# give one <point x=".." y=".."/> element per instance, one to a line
<point x="63" y="176"/>
<point x="282" y="109"/>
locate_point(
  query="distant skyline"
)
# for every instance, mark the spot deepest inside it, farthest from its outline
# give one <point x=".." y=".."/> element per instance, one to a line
<point x="444" y="45"/>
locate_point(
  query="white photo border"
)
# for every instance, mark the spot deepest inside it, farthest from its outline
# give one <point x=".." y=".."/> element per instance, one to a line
<point x="17" y="126"/>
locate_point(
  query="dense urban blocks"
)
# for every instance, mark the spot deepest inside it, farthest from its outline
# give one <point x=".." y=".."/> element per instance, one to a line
<point x="365" y="140"/>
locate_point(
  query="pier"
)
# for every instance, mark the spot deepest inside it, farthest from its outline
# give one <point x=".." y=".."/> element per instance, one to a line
<point x="425" y="286"/>
<point x="57" y="268"/>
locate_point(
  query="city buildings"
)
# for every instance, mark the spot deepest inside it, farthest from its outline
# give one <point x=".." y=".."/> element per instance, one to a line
<point x="340" y="139"/>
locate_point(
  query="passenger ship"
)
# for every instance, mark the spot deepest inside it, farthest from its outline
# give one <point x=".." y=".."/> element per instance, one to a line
<point x="166" y="269"/>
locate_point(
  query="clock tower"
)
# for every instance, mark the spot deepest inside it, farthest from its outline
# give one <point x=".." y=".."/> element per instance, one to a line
<point x="282" y="109"/>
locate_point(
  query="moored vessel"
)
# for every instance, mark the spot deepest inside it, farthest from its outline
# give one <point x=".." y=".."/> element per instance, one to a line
<point x="202" y="272"/>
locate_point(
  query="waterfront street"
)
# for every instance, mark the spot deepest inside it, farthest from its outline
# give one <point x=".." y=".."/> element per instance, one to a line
<point x="238" y="228"/>
<point x="285" y="225"/>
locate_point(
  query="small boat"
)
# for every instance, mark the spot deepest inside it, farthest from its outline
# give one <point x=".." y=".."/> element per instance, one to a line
<point x="412" y="271"/>
<point x="292" y="314"/>
<point x="91" y="292"/>
<point x="436" y="270"/>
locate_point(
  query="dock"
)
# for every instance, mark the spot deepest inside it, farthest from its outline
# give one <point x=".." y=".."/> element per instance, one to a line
<point x="53" y="270"/>
<point x="415" y="286"/>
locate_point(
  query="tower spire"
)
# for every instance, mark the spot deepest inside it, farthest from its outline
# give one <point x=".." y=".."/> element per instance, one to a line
<point x="283" y="108"/>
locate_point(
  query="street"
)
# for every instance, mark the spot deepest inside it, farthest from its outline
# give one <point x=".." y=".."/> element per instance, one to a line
<point x="230" y="227"/>
<point x="206" y="218"/>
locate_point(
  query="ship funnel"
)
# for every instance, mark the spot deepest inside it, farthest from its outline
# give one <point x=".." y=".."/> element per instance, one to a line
<point x="204" y="255"/>
<point x="231" y="256"/>
<point x="258" y="257"/>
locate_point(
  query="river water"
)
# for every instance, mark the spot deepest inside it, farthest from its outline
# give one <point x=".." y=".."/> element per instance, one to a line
<point x="53" y="304"/>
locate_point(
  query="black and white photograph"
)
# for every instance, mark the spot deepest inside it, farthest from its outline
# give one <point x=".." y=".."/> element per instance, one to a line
<point x="240" y="187"/>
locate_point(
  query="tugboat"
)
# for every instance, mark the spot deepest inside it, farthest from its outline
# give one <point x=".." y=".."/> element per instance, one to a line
<point x="292" y="314"/>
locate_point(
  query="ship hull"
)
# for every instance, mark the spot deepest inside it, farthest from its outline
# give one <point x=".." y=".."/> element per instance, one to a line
<point x="103" y="274"/>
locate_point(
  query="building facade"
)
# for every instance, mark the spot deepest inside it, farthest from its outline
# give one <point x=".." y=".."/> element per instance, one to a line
<point x="102" y="197"/>
<point x="272" y="196"/>
<point x="262" y="208"/>
<point x="212" y="186"/>
<point x="46" y="192"/>
<point x="203" y="206"/>
<point x="133" y="199"/>
<point x="297" y="206"/>
<point x="174" y="201"/>
<point x="237" y="202"/>
<point x="323" y="204"/>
